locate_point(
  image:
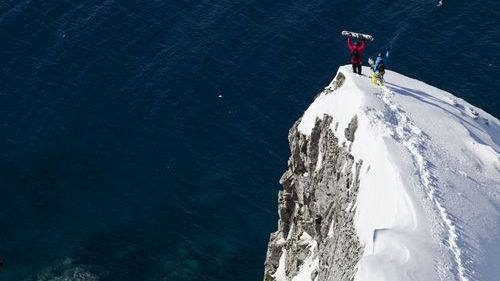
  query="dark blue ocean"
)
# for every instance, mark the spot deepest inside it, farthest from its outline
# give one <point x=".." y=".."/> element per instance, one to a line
<point x="144" y="140"/>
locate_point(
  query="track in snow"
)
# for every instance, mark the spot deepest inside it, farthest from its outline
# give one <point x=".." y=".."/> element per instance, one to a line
<point x="405" y="131"/>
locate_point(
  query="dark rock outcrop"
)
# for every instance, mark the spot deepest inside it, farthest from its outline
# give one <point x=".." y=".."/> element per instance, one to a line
<point x="319" y="198"/>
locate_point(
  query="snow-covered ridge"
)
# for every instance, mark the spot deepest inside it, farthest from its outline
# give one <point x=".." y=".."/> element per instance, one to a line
<point x="429" y="194"/>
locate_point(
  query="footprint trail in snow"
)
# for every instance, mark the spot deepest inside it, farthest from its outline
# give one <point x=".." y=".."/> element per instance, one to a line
<point x="416" y="142"/>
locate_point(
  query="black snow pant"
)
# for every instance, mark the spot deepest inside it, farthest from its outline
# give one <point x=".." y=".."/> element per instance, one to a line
<point x="356" y="68"/>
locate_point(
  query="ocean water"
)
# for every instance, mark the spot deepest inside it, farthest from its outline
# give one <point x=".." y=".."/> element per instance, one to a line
<point x="144" y="140"/>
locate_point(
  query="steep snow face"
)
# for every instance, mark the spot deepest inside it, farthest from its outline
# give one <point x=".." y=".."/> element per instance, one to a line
<point x="429" y="196"/>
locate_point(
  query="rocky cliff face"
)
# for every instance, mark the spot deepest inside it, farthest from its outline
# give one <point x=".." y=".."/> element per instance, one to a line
<point x="316" y="239"/>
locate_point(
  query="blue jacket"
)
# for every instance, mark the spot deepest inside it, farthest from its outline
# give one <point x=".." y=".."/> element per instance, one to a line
<point x="379" y="61"/>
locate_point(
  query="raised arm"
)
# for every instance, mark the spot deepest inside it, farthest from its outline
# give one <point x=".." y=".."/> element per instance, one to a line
<point x="363" y="45"/>
<point x="349" y="44"/>
<point x="377" y="62"/>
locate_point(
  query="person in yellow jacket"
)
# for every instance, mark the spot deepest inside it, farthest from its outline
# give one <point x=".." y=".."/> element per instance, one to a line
<point x="378" y="68"/>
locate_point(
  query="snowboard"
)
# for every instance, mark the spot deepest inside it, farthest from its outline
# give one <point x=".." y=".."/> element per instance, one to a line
<point x="357" y="35"/>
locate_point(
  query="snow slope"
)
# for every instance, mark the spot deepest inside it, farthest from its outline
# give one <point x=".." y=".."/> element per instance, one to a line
<point x="428" y="206"/>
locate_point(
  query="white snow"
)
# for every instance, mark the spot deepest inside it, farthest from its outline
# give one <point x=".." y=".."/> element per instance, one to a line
<point x="311" y="262"/>
<point x="319" y="163"/>
<point x="428" y="206"/>
<point x="330" y="230"/>
<point x="280" y="274"/>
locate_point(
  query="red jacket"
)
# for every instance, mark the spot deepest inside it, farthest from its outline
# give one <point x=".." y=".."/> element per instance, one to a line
<point x="360" y="49"/>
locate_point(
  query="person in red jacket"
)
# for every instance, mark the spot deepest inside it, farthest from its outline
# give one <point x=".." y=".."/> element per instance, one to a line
<point x="356" y="51"/>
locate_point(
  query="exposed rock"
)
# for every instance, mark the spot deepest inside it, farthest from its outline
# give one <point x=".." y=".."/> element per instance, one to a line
<point x="336" y="83"/>
<point x="318" y="198"/>
<point x="351" y="129"/>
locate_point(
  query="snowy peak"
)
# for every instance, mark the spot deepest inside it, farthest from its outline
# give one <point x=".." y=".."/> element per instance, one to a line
<point x="429" y="182"/>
